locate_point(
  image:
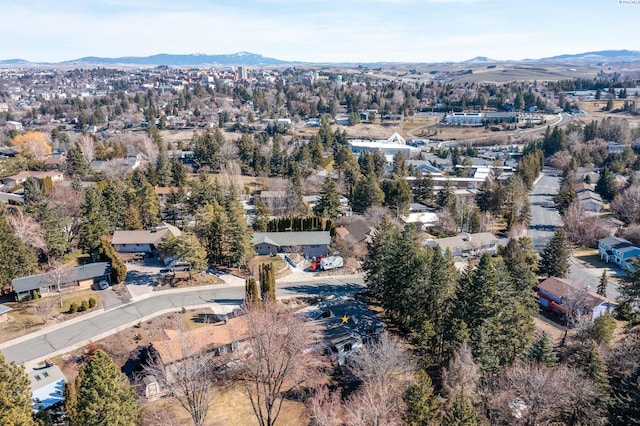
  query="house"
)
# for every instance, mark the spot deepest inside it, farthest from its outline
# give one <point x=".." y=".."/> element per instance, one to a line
<point x="143" y="241"/>
<point x="313" y="200"/>
<point x="615" y="147"/>
<point x="81" y="276"/>
<point x="163" y="192"/>
<point x="55" y="162"/>
<point x="344" y="325"/>
<point x="20" y="178"/>
<point x="309" y="243"/>
<point x="9" y="197"/>
<point x="465" y="244"/>
<point x="619" y="251"/>
<point x="274" y="200"/>
<point x="4" y="313"/>
<point x="357" y="231"/>
<point x="220" y="337"/>
<point x="47" y="384"/>
<point x="588" y="198"/>
<point x="557" y="295"/>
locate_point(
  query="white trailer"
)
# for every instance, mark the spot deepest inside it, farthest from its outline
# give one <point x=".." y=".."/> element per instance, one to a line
<point x="331" y="262"/>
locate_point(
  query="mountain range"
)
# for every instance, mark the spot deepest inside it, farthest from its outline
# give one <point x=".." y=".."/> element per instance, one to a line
<point x="252" y="59"/>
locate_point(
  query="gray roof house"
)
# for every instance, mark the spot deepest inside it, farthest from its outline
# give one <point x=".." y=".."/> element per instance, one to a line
<point x="142" y="241"/>
<point x="47" y="384"/>
<point x="45" y="285"/>
<point x="309" y="244"/>
<point x="466" y="245"/>
<point x="4" y="310"/>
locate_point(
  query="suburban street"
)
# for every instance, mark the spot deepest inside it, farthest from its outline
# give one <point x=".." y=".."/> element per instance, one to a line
<point x="222" y="298"/>
<point x="544" y="220"/>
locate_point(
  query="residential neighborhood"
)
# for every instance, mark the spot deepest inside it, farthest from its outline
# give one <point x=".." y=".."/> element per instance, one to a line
<point x="324" y="244"/>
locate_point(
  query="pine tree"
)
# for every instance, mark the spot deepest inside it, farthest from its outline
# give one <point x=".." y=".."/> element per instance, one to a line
<point x="329" y="202"/>
<point x="425" y="189"/>
<point x="77" y="166"/>
<point x="15" y="395"/>
<point x="252" y="295"/>
<point x="104" y="397"/>
<point x="594" y="367"/>
<point x="606" y="185"/>
<point x="16" y="258"/>
<point x="422" y="402"/>
<point x="554" y="259"/>
<point x="625" y="403"/>
<point x="542" y="351"/>
<point x="603" y="328"/>
<point x="460" y="412"/>
<point x="366" y="193"/>
<point x="602" y="286"/>
<point x="70" y="395"/>
<point x="239" y="234"/>
<point x="94" y="221"/>
<point x="118" y="268"/>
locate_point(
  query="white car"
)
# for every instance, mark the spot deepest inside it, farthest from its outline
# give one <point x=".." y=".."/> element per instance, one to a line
<point x="102" y="285"/>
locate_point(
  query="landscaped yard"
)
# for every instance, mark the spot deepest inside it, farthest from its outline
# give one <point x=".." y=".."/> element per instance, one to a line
<point x="27" y="317"/>
<point x="280" y="265"/>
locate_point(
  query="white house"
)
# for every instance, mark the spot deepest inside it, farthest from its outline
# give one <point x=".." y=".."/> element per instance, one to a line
<point x="142" y="241"/>
<point x="466" y="245"/>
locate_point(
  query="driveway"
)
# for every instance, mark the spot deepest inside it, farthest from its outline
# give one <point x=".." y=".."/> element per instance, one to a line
<point x="141" y="278"/>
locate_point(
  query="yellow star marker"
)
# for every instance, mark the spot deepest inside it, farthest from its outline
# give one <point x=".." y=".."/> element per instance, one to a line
<point x="345" y="319"/>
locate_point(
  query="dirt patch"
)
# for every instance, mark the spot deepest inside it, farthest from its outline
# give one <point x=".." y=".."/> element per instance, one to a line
<point x="183" y="280"/>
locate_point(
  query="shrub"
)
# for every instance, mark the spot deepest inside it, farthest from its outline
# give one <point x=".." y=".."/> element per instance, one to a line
<point x="85" y="305"/>
<point x="92" y="302"/>
<point x="138" y="337"/>
<point x="73" y="308"/>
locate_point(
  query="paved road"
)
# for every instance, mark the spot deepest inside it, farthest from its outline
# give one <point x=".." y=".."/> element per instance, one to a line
<point x="544" y="215"/>
<point x="544" y="220"/>
<point x="66" y="337"/>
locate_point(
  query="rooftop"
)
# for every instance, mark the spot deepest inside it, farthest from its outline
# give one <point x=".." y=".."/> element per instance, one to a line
<point x="292" y="238"/>
<point x="79" y="273"/>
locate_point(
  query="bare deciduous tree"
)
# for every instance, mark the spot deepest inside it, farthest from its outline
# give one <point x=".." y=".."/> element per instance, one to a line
<point x="583" y="228"/>
<point x="69" y="201"/>
<point x="280" y="361"/>
<point x="28" y="230"/>
<point x="384" y="367"/>
<point x="632" y="233"/>
<point x="462" y="373"/>
<point x="533" y="394"/>
<point x="88" y="147"/>
<point x="58" y="276"/>
<point x="148" y="148"/>
<point x="45" y="309"/>
<point x="627" y="204"/>
<point x="325" y="407"/>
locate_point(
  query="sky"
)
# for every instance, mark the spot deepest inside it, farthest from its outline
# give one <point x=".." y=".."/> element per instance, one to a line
<point x="316" y="30"/>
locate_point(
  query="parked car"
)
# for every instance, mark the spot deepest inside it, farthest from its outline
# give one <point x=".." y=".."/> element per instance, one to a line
<point x="102" y="285"/>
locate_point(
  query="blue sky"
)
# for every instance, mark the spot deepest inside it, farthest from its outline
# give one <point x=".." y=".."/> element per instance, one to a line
<point x="316" y="30"/>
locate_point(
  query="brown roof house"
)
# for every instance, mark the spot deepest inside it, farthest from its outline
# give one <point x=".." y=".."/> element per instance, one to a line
<point x="179" y="346"/>
<point x="143" y="241"/>
<point x="559" y="295"/>
<point x="20" y="178"/>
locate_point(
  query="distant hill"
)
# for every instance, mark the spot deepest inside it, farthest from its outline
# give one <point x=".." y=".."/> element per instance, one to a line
<point x="196" y="59"/>
<point x="15" y="62"/>
<point x="599" y="56"/>
<point x="478" y="60"/>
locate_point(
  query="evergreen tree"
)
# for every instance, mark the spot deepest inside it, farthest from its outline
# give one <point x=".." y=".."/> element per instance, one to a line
<point x="624" y="407"/>
<point x="148" y="205"/>
<point x="399" y="165"/>
<point x="70" y="395"/>
<point x="103" y="395"/>
<point x="15" y="395"/>
<point x="593" y="365"/>
<point x="16" y="258"/>
<point x="397" y="195"/>
<point x="261" y="215"/>
<point x="118" y="268"/>
<point x="212" y="227"/>
<point x="94" y="221"/>
<point x="329" y="202"/>
<point x="460" y="412"/>
<point x="366" y="193"/>
<point x="77" y="166"/>
<point x="554" y="259"/>
<point x="446" y="196"/>
<point x="114" y="203"/>
<point x="163" y="166"/>
<point x="606" y="185"/>
<point x="422" y="402"/>
<point x="542" y="351"/>
<point x="603" y="329"/>
<point x="178" y="173"/>
<point x="602" y="285"/>
<point x="251" y="293"/>
<point x="267" y="282"/>
<point x="425" y="189"/>
<point x="131" y="219"/>
<point x="239" y="234"/>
